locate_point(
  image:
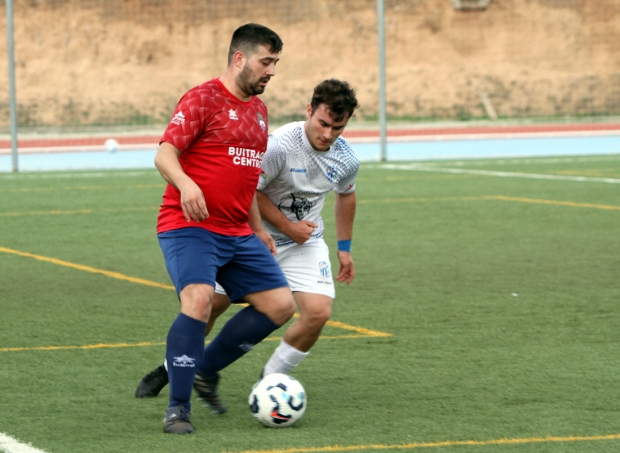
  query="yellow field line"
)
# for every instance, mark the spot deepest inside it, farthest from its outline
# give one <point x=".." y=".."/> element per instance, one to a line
<point x="388" y="200"/>
<point x="447" y="443"/>
<point x="362" y="332"/>
<point x="85" y="346"/>
<point x="92" y="270"/>
<point x="145" y="344"/>
<point x="75" y="211"/>
<point x="50" y="189"/>
<point x="497" y="197"/>
<point x="424" y="200"/>
<point x="558" y="203"/>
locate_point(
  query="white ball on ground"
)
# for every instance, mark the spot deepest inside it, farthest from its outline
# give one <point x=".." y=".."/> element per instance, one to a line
<point x="111" y="145"/>
<point x="277" y="400"/>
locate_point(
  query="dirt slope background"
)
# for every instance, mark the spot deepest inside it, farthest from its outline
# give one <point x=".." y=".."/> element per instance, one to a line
<point x="126" y="62"/>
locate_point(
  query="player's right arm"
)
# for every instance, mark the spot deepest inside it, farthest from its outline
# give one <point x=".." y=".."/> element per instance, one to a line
<point x="299" y="232"/>
<point x="192" y="199"/>
<point x="274" y="163"/>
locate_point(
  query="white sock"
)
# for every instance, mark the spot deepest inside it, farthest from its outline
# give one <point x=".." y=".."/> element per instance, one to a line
<point x="284" y="359"/>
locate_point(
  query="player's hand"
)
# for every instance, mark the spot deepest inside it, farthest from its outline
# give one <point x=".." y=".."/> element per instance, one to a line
<point x="346" y="273"/>
<point x="300" y="231"/>
<point x="267" y="240"/>
<point x="193" y="202"/>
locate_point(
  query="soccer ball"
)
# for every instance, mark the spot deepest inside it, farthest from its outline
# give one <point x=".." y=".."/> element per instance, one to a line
<point x="111" y="145"/>
<point x="277" y="400"/>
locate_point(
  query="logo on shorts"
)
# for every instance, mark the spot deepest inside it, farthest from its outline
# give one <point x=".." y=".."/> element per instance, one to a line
<point x="324" y="269"/>
<point x="184" y="362"/>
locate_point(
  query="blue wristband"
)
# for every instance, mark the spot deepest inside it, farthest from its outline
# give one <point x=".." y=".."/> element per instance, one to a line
<point x="344" y="246"/>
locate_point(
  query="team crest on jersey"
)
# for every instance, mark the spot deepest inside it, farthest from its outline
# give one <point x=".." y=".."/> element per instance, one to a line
<point x="263" y="175"/>
<point x="332" y="173"/>
<point x="261" y="121"/>
<point x="296" y="205"/>
<point x="232" y="115"/>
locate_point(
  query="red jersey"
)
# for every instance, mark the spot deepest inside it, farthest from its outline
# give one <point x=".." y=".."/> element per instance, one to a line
<point x="222" y="142"/>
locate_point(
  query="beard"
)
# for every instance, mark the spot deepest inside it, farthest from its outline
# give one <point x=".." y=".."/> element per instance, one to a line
<point x="249" y="86"/>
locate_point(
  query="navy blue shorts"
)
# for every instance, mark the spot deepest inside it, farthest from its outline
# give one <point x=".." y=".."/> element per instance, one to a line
<point x="241" y="264"/>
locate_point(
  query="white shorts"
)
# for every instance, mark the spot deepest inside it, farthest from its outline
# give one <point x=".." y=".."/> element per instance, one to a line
<point x="306" y="267"/>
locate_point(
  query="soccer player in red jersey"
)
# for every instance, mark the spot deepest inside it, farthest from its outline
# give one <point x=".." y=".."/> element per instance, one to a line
<point x="304" y="162"/>
<point x="209" y="227"/>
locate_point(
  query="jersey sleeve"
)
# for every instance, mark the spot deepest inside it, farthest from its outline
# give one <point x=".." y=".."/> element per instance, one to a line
<point x="352" y="164"/>
<point x="188" y="122"/>
<point x="274" y="161"/>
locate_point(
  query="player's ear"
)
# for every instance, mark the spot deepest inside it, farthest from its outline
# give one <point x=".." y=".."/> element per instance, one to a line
<point x="309" y="111"/>
<point x="239" y="59"/>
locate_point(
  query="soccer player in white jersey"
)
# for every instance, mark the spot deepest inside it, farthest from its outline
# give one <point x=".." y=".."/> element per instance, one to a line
<point x="304" y="162"/>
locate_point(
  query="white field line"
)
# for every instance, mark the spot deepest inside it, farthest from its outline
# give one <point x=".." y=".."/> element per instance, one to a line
<point x="9" y="444"/>
<point x="532" y="160"/>
<point x="482" y="136"/>
<point x="500" y="174"/>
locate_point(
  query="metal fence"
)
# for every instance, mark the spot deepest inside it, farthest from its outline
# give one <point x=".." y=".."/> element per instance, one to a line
<point x="124" y="63"/>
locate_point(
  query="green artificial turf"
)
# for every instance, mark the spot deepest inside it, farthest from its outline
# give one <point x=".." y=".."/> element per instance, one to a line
<point x="484" y="316"/>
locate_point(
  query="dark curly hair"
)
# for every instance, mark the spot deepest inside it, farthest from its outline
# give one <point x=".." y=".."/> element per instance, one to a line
<point x="338" y="96"/>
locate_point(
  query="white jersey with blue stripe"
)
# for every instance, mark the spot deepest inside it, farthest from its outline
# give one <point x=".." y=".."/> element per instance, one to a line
<point x="296" y="177"/>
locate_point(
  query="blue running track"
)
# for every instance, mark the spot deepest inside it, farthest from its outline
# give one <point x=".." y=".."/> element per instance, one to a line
<point x="396" y="151"/>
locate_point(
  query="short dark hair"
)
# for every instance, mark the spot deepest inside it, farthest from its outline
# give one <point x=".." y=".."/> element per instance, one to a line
<point x="248" y="37"/>
<point x="338" y="96"/>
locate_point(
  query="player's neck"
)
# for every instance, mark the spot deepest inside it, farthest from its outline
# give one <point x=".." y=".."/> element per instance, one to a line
<point x="228" y="81"/>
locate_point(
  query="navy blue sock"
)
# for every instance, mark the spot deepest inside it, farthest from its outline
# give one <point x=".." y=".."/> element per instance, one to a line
<point x="184" y="347"/>
<point x="238" y="336"/>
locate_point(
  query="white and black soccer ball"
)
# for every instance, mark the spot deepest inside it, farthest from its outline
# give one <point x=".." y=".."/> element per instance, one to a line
<point x="277" y="400"/>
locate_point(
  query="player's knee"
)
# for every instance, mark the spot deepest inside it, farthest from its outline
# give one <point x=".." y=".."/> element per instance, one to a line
<point x="277" y="304"/>
<point x="284" y="308"/>
<point x="288" y="307"/>
<point x="321" y="319"/>
<point x="196" y="300"/>
<point x="316" y="316"/>
<point x="324" y="315"/>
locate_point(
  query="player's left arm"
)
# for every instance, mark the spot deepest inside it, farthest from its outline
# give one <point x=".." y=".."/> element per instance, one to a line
<point x="255" y="222"/>
<point x="345" y="206"/>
